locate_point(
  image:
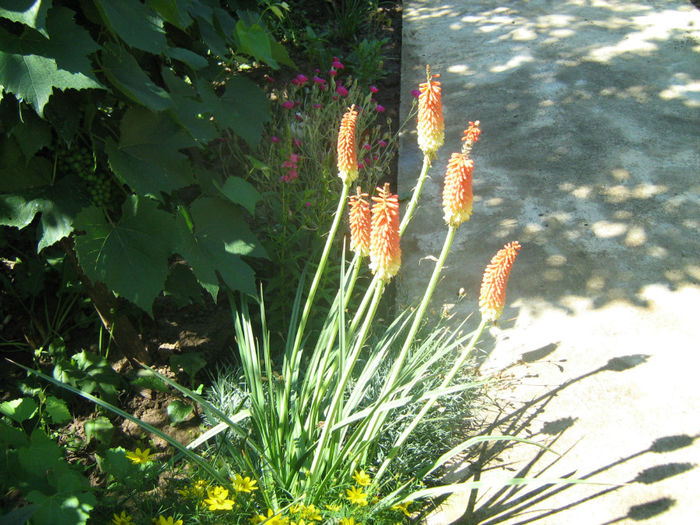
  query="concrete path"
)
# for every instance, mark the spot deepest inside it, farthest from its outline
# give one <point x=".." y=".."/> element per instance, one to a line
<point x="590" y="157"/>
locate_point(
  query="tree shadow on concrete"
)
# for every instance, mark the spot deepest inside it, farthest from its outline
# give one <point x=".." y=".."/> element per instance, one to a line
<point x="589" y="147"/>
<point x="512" y="502"/>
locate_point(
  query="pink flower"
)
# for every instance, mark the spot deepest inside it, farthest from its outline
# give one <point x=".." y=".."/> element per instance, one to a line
<point x="307" y="204"/>
<point x="342" y="91"/>
<point x="360" y="165"/>
<point x="375" y="157"/>
<point x="296" y="143"/>
<point x="298" y="117"/>
<point x="318" y="80"/>
<point x="337" y="64"/>
<point x="274" y="138"/>
<point x="332" y="72"/>
<point x="367" y="162"/>
<point x="373" y="89"/>
<point x="303" y="79"/>
<point x="335" y="97"/>
<point x="318" y="106"/>
<point x="382" y="144"/>
<point x="415" y="93"/>
<point x="288" y="104"/>
<point x="366" y="146"/>
<point x="380" y="108"/>
<point x="294" y="157"/>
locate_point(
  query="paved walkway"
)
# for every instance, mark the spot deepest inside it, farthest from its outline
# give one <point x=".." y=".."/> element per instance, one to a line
<point x="590" y="157"/>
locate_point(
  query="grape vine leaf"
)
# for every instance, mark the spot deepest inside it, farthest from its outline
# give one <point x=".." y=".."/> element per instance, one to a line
<point x="220" y="237"/>
<point x="32" y="134"/>
<point x="124" y="72"/>
<point x="28" y="12"/>
<point x="27" y="71"/>
<point x="135" y="23"/>
<point x="131" y="256"/>
<point x="241" y="192"/>
<point x="244" y="108"/>
<point x="58" y="204"/>
<point x="69" y="43"/>
<point x="147" y="157"/>
<point x="193" y="114"/>
<point x="173" y="11"/>
<point x="18" y="173"/>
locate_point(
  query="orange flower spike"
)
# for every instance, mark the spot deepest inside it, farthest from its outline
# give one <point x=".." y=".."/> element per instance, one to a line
<point x="471" y="135"/>
<point x="492" y="297"/>
<point x="347" y="150"/>
<point x="457" y="196"/>
<point x="384" y="249"/>
<point x="431" y="125"/>
<point x="360" y="223"/>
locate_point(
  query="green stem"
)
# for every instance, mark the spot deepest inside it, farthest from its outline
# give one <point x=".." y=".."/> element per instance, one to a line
<point x="416" y="194"/>
<point x="431" y="401"/>
<point x="321" y="448"/>
<point x="291" y="365"/>
<point x="387" y="390"/>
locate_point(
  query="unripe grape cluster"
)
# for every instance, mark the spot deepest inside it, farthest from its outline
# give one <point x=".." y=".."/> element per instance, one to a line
<point x="79" y="160"/>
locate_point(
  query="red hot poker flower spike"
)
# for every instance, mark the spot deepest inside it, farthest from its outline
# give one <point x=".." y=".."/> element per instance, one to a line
<point x="457" y="196"/>
<point x="471" y="135"/>
<point x="360" y="223"/>
<point x="431" y="125"/>
<point x="384" y="249"/>
<point x="492" y="297"/>
<point x="347" y="150"/>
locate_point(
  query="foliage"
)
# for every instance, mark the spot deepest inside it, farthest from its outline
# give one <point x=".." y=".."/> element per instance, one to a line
<point x="104" y="106"/>
<point x="294" y="168"/>
<point x="33" y="464"/>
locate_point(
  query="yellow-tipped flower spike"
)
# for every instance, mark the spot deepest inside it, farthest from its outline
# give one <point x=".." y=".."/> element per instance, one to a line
<point x="471" y="135"/>
<point x="384" y="249"/>
<point x="492" y="297"/>
<point x="431" y="125"/>
<point x="457" y="196"/>
<point x="360" y="223"/>
<point x="347" y="150"/>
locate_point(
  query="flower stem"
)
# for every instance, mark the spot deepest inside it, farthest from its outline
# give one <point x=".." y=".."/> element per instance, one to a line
<point x="416" y="194"/>
<point x="291" y="361"/>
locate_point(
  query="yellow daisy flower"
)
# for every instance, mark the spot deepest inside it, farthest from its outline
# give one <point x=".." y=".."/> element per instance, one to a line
<point x="362" y="478"/>
<point x="140" y="456"/>
<point x="357" y="496"/>
<point x="241" y="484"/>
<point x="218" y="499"/>
<point x="122" y="519"/>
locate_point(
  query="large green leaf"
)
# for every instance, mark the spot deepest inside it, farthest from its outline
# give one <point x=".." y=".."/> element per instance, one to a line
<point x="58" y="204"/>
<point x="174" y="11"/>
<point x="241" y="192"/>
<point x="220" y="238"/>
<point x="28" y="12"/>
<point x="29" y="70"/>
<point x="32" y="134"/>
<point x="135" y="23"/>
<point x="191" y="112"/>
<point x="124" y="72"/>
<point x="244" y="108"/>
<point x="130" y="257"/>
<point x="17" y="172"/>
<point x="69" y="43"/>
<point x="147" y="157"/>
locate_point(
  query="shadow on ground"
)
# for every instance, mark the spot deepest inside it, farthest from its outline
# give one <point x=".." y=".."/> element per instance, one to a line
<point x="518" y="502"/>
